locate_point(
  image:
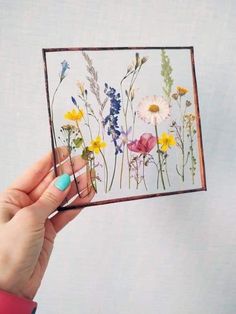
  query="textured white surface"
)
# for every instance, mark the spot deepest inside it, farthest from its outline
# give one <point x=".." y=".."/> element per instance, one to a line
<point x="172" y="255"/>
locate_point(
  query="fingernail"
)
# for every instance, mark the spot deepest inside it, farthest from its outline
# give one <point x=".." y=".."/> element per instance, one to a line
<point x="62" y="182"/>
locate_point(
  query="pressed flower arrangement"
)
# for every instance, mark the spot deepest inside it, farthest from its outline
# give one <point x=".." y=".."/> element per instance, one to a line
<point x="132" y="114"/>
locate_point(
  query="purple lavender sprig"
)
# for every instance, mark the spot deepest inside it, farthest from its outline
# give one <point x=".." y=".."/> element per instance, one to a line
<point x="111" y="121"/>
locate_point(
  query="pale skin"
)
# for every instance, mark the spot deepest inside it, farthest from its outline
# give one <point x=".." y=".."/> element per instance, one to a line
<point x="28" y="228"/>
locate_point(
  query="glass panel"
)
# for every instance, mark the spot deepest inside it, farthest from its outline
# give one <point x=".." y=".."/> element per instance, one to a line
<point x="131" y="115"/>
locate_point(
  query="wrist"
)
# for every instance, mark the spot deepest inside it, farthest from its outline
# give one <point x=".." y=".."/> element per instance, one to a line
<point x="11" y="304"/>
<point x="14" y="286"/>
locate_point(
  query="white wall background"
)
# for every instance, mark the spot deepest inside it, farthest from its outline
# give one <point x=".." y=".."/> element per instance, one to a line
<point x="172" y="255"/>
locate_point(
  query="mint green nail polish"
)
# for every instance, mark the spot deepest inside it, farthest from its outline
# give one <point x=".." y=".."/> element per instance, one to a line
<point x="62" y="182"/>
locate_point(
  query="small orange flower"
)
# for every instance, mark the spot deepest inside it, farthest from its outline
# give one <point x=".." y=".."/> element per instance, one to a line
<point x="181" y="90"/>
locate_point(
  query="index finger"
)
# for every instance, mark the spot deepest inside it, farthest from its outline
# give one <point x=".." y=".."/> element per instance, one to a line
<point x="33" y="176"/>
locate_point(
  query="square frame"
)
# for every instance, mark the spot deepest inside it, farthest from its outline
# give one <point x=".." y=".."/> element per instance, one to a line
<point x="203" y="187"/>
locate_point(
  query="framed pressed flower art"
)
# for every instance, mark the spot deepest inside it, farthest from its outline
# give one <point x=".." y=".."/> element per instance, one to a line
<point x="131" y="115"/>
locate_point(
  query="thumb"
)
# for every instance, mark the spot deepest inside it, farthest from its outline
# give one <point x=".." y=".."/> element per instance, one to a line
<point x="52" y="197"/>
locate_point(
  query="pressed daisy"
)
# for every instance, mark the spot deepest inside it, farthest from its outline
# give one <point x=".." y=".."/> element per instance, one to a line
<point x="96" y="145"/>
<point x="153" y="109"/>
<point x="166" y="141"/>
<point x="74" y="115"/>
<point x="181" y="90"/>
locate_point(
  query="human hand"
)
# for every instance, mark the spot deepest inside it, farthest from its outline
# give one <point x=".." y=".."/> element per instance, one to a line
<point x="26" y="232"/>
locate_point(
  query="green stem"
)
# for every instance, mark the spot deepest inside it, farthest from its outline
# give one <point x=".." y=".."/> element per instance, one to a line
<point x="77" y="124"/>
<point x="133" y="124"/>
<point x="183" y="140"/>
<point x="166" y="171"/>
<point x="88" y="122"/>
<point x="72" y="166"/>
<point x="127" y="156"/>
<point x="137" y="182"/>
<point x="183" y="152"/>
<point x="179" y="136"/>
<point x="125" y="112"/>
<point x="90" y="111"/>
<point x="52" y="124"/>
<point x="122" y="167"/>
<point x="53" y="98"/>
<point x="122" y="160"/>
<point x="158" y="176"/>
<point x="144" y="181"/>
<point x="94" y="180"/>
<point x="106" y="171"/>
<point x="159" y="159"/>
<point x="191" y="152"/>
<point x="114" y="171"/>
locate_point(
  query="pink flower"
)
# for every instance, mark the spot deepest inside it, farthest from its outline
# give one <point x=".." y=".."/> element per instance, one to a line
<point x="144" y="145"/>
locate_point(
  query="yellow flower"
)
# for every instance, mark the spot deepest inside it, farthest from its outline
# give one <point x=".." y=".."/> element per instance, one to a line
<point x="74" y="115"/>
<point x="166" y="141"/>
<point x="96" y="145"/>
<point x="182" y="90"/>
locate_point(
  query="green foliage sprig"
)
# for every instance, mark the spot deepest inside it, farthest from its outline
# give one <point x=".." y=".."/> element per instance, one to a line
<point x="166" y="71"/>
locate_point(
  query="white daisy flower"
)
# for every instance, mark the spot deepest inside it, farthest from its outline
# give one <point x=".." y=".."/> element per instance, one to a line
<point x="153" y="109"/>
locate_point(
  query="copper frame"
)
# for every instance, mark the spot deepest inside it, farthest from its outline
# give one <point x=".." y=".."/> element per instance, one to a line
<point x="45" y="51"/>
